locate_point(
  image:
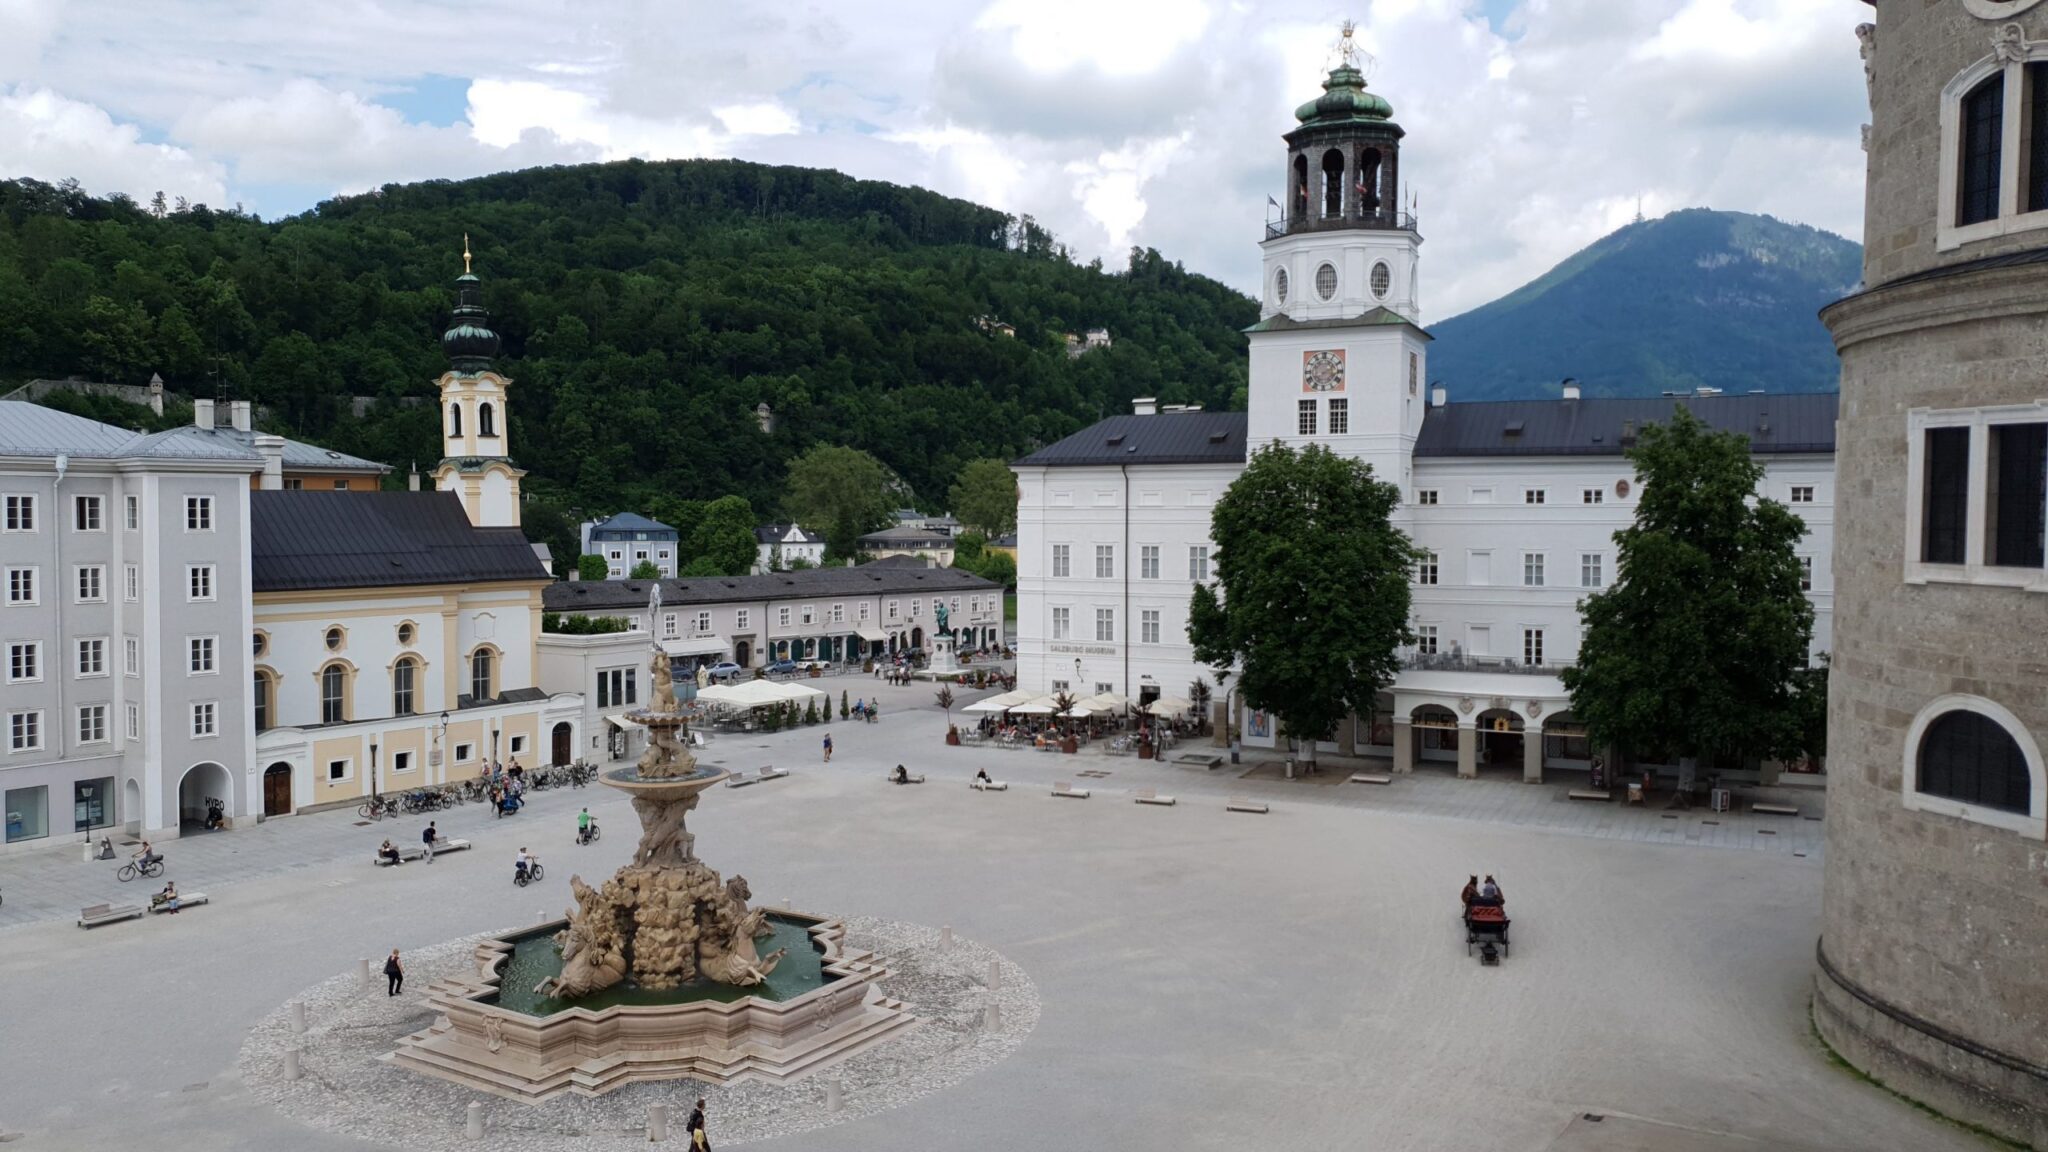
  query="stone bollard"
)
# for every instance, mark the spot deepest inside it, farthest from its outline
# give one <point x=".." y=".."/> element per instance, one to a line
<point x="833" y="1093"/>
<point x="992" y="1016"/>
<point x="657" y="1121"/>
<point x="473" y="1123"/>
<point x="299" y="1016"/>
<point x="945" y="936"/>
<point x="291" y="1062"/>
<point x="363" y="971"/>
<point x="995" y="975"/>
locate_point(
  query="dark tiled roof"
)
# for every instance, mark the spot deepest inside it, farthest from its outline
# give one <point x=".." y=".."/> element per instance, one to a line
<point x="630" y="522"/>
<point x="1798" y="422"/>
<point x="311" y="539"/>
<point x="1167" y="438"/>
<point x="865" y="580"/>
<point x="774" y="533"/>
<point x="903" y="537"/>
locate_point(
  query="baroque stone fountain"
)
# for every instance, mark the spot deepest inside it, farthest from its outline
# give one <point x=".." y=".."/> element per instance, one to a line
<point x="656" y="973"/>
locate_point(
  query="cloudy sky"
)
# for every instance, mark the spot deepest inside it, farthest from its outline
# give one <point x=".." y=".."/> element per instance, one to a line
<point x="1533" y="125"/>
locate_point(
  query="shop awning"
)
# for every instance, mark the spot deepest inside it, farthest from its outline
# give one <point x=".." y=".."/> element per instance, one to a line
<point x="617" y="720"/>
<point x="871" y="634"/>
<point x="697" y="646"/>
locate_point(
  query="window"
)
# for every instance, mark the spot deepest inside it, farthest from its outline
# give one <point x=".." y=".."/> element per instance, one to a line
<point x="1062" y="560"/>
<point x="199" y="655"/>
<point x="518" y="743"/>
<point x="21" y="586"/>
<point x="337" y="770"/>
<point x="895" y="610"/>
<point x="1806" y="573"/>
<point x="1593" y="496"/>
<point x="486" y="420"/>
<point x="838" y="613"/>
<point x="810" y="614"/>
<point x="1305" y="417"/>
<point x="1103" y="687"/>
<point x="1280" y="285"/>
<point x="1414" y="372"/>
<point x="916" y="609"/>
<point x="1148" y="626"/>
<point x="464" y="753"/>
<point x="92" y="656"/>
<point x="1479" y="567"/>
<point x="1591" y="570"/>
<point x="1340" y="416"/>
<point x="1148" y="562"/>
<point x="24" y="731"/>
<point x="24" y="661"/>
<point x="616" y="687"/>
<point x="28" y="813"/>
<point x="92" y="583"/>
<point x="1198" y="563"/>
<point x="782" y="617"/>
<point x="203" y="716"/>
<point x="2018" y="500"/>
<point x="1105" y="561"/>
<point x="1426" y="569"/>
<point x="92" y="724"/>
<point x="1326" y="281"/>
<point x="1946" y="505"/>
<point x="85" y="514"/>
<point x="1532" y="647"/>
<point x="401" y="763"/>
<point x="333" y="694"/>
<point x="260" y="699"/>
<point x="616" y="554"/>
<point x="406" y="634"/>
<point x="198" y="513"/>
<point x="1979" y="160"/>
<point x="669" y="625"/>
<point x="199" y="581"/>
<point x="133" y="511"/>
<point x="1105" y="623"/>
<point x="1971" y="758"/>
<point x="131" y="583"/>
<point x="1425" y="639"/>
<point x="703" y="622"/>
<point x="1802" y="494"/>
<point x="134" y="722"/>
<point x="404" y="674"/>
<point x="294" y="483"/>
<point x="482" y="675"/>
<point x="741" y="617"/>
<point x="1532" y="569"/>
<point x="1062" y="623"/>
<point x="131" y="656"/>
<point x="1059" y="685"/>
<point x="1382" y="279"/>
<point x="334" y="638"/>
<point x="21" y="514"/>
<point x="1535" y="496"/>
<point x="1425" y="496"/>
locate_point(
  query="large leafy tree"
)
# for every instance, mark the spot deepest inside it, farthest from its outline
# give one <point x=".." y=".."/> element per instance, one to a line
<point x="843" y="492"/>
<point x="985" y="497"/>
<point x="1310" y="601"/>
<point x="723" y="537"/>
<point x="1699" y="648"/>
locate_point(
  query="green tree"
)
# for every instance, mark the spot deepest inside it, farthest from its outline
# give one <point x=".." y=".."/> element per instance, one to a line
<point x="645" y="570"/>
<point x="1699" y="646"/>
<point x="1314" y="584"/>
<point x="591" y="567"/>
<point x="843" y="491"/>
<point x="985" y="497"/>
<point x="724" y="535"/>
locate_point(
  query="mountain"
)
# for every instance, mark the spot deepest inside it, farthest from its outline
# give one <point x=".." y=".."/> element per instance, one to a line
<point x="1696" y="298"/>
<point x="646" y="309"/>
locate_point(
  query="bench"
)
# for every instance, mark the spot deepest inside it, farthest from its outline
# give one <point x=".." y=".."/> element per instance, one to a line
<point x="1774" y="809"/>
<point x="1066" y="788"/>
<point x="1370" y="778"/>
<point x="100" y="914"/>
<point x="768" y="772"/>
<point x="185" y="900"/>
<point x="419" y="852"/>
<point x="891" y="778"/>
<point x="989" y="785"/>
<point x="1600" y="794"/>
<point x="1204" y="760"/>
<point x="1245" y="804"/>
<point x="1148" y="796"/>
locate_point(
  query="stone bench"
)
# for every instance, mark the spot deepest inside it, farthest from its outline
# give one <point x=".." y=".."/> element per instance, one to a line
<point x="185" y="900"/>
<point x="1370" y="778"/>
<point x="891" y="778"/>
<point x="1246" y="804"/>
<point x="768" y="772"/>
<point x="1204" y="760"/>
<point x="419" y="852"/>
<point x="1774" y="809"/>
<point x="1600" y="794"/>
<point x="989" y="785"/>
<point x="1148" y="796"/>
<point x="1066" y="788"/>
<point x="100" y="914"/>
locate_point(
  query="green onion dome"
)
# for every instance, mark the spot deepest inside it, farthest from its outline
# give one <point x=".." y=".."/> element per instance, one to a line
<point x="1344" y="98"/>
<point x="469" y="341"/>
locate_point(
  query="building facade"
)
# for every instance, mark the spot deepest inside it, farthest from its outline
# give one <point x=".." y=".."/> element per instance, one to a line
<point x="1515" y="504"/>
<point x="934" y="545"/>
<point x="628" y="540"/>
<point x="1935" y="917"/>
<point x="778" y="546"/>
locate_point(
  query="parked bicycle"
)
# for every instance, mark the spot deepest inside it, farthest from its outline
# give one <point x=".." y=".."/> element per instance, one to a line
<point x="377" y="808"/>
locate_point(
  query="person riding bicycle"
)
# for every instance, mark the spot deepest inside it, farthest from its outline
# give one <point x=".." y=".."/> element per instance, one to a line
<point x="583" y="826"/>
<point x="145" y="855"/>
<point x="521" y="865"/>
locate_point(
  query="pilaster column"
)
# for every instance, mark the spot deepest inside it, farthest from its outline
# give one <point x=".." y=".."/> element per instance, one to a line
<point x="1404" y="748"/>
<point x="1532" y="755"/>
<point x="1347" y="736"/>
<point x="1468" y="750"/>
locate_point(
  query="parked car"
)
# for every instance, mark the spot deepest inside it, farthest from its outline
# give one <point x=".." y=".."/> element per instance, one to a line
<point x="815" y="665"/>
<point x="723" y="670"/>
<point x="782" y="668"/>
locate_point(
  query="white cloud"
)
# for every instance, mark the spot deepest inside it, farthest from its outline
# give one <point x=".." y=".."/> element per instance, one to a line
<point x="50" y="138"/>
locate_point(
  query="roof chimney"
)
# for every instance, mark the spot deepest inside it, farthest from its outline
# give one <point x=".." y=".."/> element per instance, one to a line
<point x="1571" y="388"/>
<point x="202" y="414"/>
<point x="1145" y="406"/>
<point x="271" y="448"/>
<point x="1439" y="396"/>
<point x="412" y="479"/>
<point x="238" y="414"/>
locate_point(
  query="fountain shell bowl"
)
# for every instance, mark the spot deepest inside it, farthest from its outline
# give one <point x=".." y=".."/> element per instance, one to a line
<point x="696" y="779"/>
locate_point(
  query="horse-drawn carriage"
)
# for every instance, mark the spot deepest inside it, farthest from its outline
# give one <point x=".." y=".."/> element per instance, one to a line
<point x="1486" y="925"/>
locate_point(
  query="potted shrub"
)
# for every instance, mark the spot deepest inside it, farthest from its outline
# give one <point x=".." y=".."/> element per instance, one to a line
<point x="945" y="699"/>
<point x="1061" y="702"/>
<point x="844" y="711"/>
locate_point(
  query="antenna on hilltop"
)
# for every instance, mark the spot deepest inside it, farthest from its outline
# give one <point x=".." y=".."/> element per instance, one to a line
<point x="1639" y="210"/>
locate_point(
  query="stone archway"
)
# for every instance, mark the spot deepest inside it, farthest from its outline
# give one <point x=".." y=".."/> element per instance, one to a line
<point x="202" y="782"/>
<point x="131" y="806"/>
<point x="1500" y="739"/>
<point x="1433" y="729"/>
<point x="277" y="789"/>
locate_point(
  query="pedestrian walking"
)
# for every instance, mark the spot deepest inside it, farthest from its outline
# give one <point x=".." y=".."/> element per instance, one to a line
<point x="828" y="747"/>
<point x="394" y="974"/>
<point x="428" y="836"/>
<point x="699" y="1142"/>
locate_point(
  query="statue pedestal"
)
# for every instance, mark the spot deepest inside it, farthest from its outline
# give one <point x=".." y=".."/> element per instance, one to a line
<point x="943" y="664"/>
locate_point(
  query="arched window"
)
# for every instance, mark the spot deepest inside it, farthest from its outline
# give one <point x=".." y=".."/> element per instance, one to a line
<point x="333" y="694"/>
<point x="1297" y="204"/>
<point x="261" y="697"/>
<point x="1333" y="183"/>
<point x="1969" y="757"/>
<point x="1983" y="139"/>
<point x="403" y="675"/>
<point x="1369" y="182"/>
<point x="455" y="419"/>
<point x="486" y="423"/>
<point x="482" y="680"/>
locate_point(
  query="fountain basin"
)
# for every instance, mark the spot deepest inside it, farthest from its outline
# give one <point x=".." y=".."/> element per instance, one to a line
<point x="534" y="957"/>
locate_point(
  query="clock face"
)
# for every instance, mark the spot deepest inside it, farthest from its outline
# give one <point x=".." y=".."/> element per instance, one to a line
<point x="1322" y="371"/>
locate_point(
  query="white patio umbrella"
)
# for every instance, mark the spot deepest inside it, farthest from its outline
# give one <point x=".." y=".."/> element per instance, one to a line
<point x="1169" y="706"/>
<point x="1041" y="706"/>
<point x="1002" y="702"/>
<point x="1106" y="703"/>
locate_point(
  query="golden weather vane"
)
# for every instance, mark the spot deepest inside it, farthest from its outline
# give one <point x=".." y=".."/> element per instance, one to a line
<point x="465" y="253"/>
<point x="1347" y="51"/>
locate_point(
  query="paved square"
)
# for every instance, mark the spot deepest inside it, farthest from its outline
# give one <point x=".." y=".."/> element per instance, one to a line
<point x="1208" y="979"/>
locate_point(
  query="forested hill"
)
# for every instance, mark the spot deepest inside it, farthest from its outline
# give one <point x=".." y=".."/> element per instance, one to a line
<point x="1722" y="299"/>
<point x="646" y="309"/>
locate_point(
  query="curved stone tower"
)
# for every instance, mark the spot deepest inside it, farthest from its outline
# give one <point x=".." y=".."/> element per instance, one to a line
<point x="1933" y="963"/>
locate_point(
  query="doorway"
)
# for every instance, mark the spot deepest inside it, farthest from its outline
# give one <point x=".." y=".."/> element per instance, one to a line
<point x="743" y="654"/>
<point x="277" y="789"/>
<point x="563" y="745"/>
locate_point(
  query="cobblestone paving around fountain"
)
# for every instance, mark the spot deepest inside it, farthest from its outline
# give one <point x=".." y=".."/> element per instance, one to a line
<point x="347" y="1088"/>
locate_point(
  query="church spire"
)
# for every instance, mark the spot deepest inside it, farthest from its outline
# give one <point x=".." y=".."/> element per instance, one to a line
<point x="469" y="341"/>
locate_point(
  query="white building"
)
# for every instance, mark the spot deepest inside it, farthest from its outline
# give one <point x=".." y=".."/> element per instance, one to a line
<point x="777" y="546"/>
<point x="1516" y="502"/>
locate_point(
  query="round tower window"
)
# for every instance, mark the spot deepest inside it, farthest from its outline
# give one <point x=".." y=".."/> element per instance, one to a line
<point x="1280" y="285"/>
<point x="1326" y="281"/>
<point x="1382" y="279"/>
<point x="334" y="639"/>
<point x="405" y="632"/>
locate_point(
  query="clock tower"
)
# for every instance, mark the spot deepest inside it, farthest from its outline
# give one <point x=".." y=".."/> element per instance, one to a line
<point x="476" y="432"/>
<point x="1338" y="355"/>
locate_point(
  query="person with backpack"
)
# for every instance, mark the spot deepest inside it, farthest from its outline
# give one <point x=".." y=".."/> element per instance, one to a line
<point x="428" y="837"/>
<point x="394" y="974"/>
